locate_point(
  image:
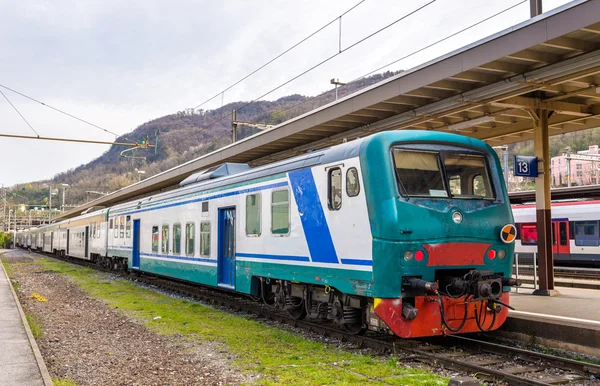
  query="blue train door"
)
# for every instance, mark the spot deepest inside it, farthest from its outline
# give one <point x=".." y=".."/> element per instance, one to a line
<point x="135" y="262"/>
<point x="226" y="254"/>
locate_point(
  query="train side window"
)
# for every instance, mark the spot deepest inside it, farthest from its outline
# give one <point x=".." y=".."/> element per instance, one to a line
<point x="177" y="239"/>
<point x="280" y="212"/>
<point x="190" y="237"/>
<point x="205" y="238"/>
<point x="335" y="189"/>
<point x="586" y="233"/>
<point x="205" y="208"/>
<point x="529" y="234"/>
<point x="128" y="227"/>
<point x="253" y="215"/>
<point x="122" y="232"/>
<point x="116" y="234"/>
<point x="110" y="224"/>
<point x="352" y="183"/>
<point x="164" y="246"/>
<point x="155" y="239"/>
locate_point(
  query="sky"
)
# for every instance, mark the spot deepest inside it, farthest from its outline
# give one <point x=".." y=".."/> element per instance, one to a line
<point x="119" y="64"/>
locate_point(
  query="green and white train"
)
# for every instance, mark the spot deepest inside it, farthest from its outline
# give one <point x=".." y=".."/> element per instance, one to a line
<point x="399" y="232"/>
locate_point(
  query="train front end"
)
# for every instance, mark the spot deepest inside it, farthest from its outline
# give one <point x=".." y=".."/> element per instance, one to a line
<point x="442" y="234"/>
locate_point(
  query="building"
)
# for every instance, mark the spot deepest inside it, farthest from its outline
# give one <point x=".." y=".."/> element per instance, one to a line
<point x="582" y="168"/>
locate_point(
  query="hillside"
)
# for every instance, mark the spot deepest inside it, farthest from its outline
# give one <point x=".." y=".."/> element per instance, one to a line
<point x="181" y="137"/>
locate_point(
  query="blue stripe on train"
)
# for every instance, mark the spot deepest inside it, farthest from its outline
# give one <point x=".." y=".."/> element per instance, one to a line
<point x="316" y="230"/>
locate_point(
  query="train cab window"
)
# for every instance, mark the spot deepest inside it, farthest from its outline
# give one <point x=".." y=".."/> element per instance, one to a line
<point x="128" y="226"/>
<point x="154" y="239"/>
<point x="334" y="198"/>
<point x="479" y="188"/>
<point x="529" y="235"/>
<point x="419" y="173"/>
<point x="190" y="233"/>
<point x="122" y="229"/>
<point x="205" y="238"/>
<point x="280" y="212"/>
<point x="164" y="246"/>
<point x="253" y="215"/>
<point x="586" y="233"/>
<point x="177" y="239"/>
<point x="454" y="183"/>
<point x="471" y="171"/>
<point x="352" y="183"/>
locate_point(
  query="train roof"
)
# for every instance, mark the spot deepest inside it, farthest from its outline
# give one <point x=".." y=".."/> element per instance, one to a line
<point x="227" y="173"/>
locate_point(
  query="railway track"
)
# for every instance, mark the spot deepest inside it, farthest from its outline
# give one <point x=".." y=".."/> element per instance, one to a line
<point x="491" y="362"/>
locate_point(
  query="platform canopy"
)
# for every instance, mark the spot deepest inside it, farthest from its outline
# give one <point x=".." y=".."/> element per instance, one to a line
<point x="486" y="90"/>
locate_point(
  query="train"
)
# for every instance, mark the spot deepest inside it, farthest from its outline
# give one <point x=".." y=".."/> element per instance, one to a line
<point x="575" y="232"/>
<point x="405" y="232"/>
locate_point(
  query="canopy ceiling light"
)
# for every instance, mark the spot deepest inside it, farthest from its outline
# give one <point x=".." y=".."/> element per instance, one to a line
<point x="472" y="122"/>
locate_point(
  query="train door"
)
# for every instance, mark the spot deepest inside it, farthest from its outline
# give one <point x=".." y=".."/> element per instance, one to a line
<point x="68" y="233"/>
<point x="226" y="249"/>
<point x="87" y="241"/>
<point x="135" y="259"/>
<point x="560" y="239"/>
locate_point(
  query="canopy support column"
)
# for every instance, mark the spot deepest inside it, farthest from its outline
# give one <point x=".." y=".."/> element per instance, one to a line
<point x="543" y="204"/>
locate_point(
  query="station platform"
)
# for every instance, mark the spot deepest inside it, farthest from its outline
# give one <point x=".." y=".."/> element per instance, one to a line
<point x="569" y="321"/>
<point x="20" y="360"/>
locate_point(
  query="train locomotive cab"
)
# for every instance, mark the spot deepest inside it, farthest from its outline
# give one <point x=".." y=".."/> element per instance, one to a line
<point x="442" y="234"/>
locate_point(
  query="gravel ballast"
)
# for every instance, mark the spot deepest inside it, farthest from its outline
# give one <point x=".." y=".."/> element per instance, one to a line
<point x="87" y="341"/>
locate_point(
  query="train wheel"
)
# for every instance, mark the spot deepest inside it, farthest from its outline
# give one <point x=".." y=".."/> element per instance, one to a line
<point x="297" y="311"/>
<point x="355" y="329"/>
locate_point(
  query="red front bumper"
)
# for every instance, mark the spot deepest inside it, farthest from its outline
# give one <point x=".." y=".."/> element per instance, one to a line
<point x="429" y="319"/>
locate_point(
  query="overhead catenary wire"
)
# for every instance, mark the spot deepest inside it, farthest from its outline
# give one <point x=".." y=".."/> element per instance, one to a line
<point x="405" y="56"/>
<point x="18" y="112"/>
<point x="62" y="112"/>
<point x="316" y="66"/>
<point x="280" y="55"/>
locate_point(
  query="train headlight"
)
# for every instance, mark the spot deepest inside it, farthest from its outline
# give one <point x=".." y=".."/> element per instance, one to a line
<point x="457" y="217"/>
<point x="408" y="255"/>
<point x="501" y="253"/>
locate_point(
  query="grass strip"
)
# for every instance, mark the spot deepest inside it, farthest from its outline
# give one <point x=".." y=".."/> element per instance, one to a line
<point x="280" y="356"/>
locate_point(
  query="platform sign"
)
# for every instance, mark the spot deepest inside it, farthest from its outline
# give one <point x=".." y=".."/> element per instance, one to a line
<point x="526" y="166"/>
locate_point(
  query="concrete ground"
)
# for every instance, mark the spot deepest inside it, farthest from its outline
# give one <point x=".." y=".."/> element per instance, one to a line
<point x="576" y="303"/>
<point x="18" y="365"/>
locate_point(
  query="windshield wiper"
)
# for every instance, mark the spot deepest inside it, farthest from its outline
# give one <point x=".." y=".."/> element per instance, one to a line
<point x="402" y="185"/>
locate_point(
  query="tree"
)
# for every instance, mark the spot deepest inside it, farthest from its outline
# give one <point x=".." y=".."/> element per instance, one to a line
<point x="5" y="240"/>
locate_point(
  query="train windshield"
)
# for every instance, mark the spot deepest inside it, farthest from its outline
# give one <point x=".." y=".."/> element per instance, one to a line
<point x="442" y="174"/>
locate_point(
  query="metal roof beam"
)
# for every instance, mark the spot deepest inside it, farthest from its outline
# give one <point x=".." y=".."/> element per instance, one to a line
<point x="571" y="44"/>
<point x="535" y="56"/>
<point x="498" y="66"/>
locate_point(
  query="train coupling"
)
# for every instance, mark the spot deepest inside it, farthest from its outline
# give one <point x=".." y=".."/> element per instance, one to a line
<point x="419" y="284"/>
<point x="480" y="285"/>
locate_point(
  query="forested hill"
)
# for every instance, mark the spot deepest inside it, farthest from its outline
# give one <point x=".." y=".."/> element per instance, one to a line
<point x="182" y="136"/>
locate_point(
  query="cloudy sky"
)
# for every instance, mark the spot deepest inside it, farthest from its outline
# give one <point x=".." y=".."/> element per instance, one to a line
<point x="119" y="64"/>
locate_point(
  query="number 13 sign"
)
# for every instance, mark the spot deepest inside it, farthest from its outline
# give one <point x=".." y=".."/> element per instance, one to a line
<point x="526" y="166"/>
